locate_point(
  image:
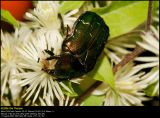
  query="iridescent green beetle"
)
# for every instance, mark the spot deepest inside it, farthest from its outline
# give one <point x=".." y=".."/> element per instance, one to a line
<point x="81" y="47"/>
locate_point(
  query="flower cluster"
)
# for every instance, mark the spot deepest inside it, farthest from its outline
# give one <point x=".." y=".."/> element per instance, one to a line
<point x="131" y="81"/>
<point x="128" y="88"/>
<point x="10" y="58"/>
<point x="151" y="44"/>
<point x="24" y="57"/>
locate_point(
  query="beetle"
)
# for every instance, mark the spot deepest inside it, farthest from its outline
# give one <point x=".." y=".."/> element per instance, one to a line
<point x="81" y="47"/>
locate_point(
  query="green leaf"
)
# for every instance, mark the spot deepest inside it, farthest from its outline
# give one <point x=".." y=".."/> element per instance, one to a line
<point x="124" y="19"/>
<point x="69" y="85"/>
<point x="114" y="5"/>
<point x="7" y="17"/>
<point x="77" y="89"/>
<point x="94" y="100"/>
<point x="155" y="7"/>
<point x="103" y="71"/>
<point x="70" y="5"/>
<point x="86" y="83"/>
<point x="150" y="90"/>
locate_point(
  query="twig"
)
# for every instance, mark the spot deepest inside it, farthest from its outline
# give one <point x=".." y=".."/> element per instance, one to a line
<point x="149" y="18"/>
<point x="87" y="92"/>
<point x="129" y="57"/>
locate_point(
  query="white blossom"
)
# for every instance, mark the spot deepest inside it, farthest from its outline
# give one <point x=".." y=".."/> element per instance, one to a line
<point x="150" y="43"/>
<point x="128" y="88"/>
<point x="47" y="101"/>
<point x="10" y="56"/>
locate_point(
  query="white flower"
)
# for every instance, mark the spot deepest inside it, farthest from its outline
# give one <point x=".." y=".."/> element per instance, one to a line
<point x="151" y="44"/>
<point x="34" y="58"/>
<point x="45" y="15"/>
<point x="46" y="25"/>
<point x="69" y="19"/>
<point x="117" y="48"/>
<point x="47" y="101"/>
<point x="152" y="78"/>
<point x="9" y="55"/>
<point x="129" y="90"/>
<point x="68" y="102"/>
<point x="14" y="88"/>
<point x="6" y="101"/>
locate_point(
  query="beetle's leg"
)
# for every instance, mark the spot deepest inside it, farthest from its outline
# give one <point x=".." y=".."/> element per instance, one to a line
<point x="62" y="23"/>
<point x="68" y="29"/>
<point x="53" y="57"/>
<point x="62" y="80"/>
<point x="62" y="26"/>
<point x="49" y="52"/>
<point x="52" y="72"/>
<point x="38" y="60"/>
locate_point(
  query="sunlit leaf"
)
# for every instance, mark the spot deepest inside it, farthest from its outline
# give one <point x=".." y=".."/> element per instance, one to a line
<point x="69" y="85"/>
<point x="115" y="5"/>
<point x="93" y="100"/>
<point x="103" y="71"/>
<point x="124" y="19"/>
<point x="7" y="17"/>
<point x="70" y="5"/>
<point x="150" y="90"/>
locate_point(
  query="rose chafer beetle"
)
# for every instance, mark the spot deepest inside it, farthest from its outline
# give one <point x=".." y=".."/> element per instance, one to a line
<point x="81" y="47"/>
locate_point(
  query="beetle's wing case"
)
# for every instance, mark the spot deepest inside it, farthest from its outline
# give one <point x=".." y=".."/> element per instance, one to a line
<point x="88" y="39"/>
<point x="76" y="42"/>
<point x="94" y="51"/>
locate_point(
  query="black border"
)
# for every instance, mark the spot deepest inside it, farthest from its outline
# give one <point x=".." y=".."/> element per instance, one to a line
<point x="94" y="110"/>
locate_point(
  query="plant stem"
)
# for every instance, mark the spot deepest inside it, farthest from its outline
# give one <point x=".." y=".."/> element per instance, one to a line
<point x="87" y="92"/>
<point x="129" y="57"/>
<point x="149" y="18"/>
